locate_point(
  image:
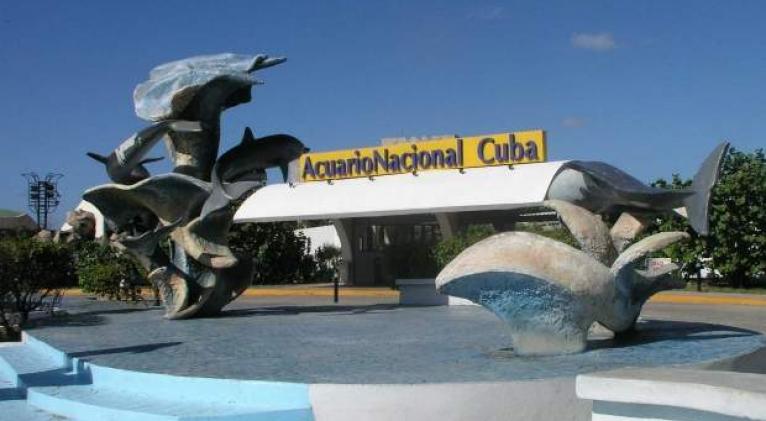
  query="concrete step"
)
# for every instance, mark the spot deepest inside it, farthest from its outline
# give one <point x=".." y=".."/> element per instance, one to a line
<point x="15" y="359"/>
<point x="18" y="410"/>
<point x="23" y="365"/>
<point x="87" y="402"/>
<point x="46" y="383"/>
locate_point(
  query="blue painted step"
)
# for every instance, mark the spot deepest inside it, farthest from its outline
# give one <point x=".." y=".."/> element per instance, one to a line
<point x="13" y="405"/>
<point x="92" y="403"/>
<point x="67" y="387"/>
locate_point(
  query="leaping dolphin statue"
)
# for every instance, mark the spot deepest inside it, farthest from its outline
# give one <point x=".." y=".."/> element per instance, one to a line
<point x="125" y="165"/>
<point x="243" y="167"/>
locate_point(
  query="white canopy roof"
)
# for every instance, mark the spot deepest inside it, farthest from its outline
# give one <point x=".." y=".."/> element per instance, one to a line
<point x="487" y="188"/>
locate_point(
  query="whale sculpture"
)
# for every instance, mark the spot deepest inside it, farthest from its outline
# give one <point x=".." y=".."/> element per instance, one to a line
<point x="550" y="293"/>
<point x="602" y="188"/>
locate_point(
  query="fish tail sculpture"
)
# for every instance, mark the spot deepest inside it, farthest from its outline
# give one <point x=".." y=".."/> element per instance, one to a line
<point x="550" y="293"/>
<point x="697" y="205"/>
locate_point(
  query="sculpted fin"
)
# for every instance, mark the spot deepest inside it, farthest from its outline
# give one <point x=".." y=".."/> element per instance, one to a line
<point x="284" y="168"/>
<point x="248" y="135"/>
<point x="698" y="204"/>
<point x="627" y="227"/>
<point x="150" y="160"/>
<point x="146" y="243"/>
<point x="100" y="158"/>
<point x="184" y="126"/>
<point x="627" y="259"/>
<point x="587" y="228"/>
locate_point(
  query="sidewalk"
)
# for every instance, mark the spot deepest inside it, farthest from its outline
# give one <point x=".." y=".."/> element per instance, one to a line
<point x="716" y="298"/>
<point x="326" y="290"/>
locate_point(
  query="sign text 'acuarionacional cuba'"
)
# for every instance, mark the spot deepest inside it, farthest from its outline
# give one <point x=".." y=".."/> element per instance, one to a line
<point x="445" y="153"/>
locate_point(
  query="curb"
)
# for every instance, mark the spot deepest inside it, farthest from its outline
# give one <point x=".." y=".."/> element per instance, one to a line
<point x="361" y="292"/>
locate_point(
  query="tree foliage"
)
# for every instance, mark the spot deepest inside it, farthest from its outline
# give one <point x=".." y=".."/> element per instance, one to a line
<point x="738" y="223"/>
<point x="446" y="250"/>
<point x="32" y="273"/>
<point x="409" y="260"/>
<point x="107" y="272"/>
<point x="688" y="253"/>
<point x="556" y="232"/>
<point x="737" y="241"/>
<point x="281" y="255"/>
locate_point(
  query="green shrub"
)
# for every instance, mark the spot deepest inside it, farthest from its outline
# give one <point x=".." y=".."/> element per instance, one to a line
<point x="328" y="259"/>
<point x="32" y="274"/>
<point x="101" y="269"/>
<point x="281" y="255"/>
<point x="556" y="232"/>
<point x="446" y="250"/>
<point x="411" y="260"/>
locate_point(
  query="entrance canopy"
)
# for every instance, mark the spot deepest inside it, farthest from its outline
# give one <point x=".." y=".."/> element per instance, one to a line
<point x="443" y="191"/>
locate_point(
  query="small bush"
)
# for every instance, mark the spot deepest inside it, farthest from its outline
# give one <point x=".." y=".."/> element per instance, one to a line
<point x="32" y="274"/>
<point x="328" y="259"/>
<point x="411" y="260"/>
<point x="446" y="250"/>
<point x="101" y="270"/>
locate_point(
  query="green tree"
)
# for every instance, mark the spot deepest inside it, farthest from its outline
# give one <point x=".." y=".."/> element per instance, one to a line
<point x="32" y="274"/>
<point x="556" y="232"/>
<point x="446" y="250"/>
<point x="281" y="255"/>
<point x="107" y="272"/>
<point x="688" y="253"/>
<point x="737" y="242"/>
<point x="738" y="220"/>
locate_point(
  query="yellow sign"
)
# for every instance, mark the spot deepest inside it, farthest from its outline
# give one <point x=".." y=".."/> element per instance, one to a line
<point x="445" y="153"/>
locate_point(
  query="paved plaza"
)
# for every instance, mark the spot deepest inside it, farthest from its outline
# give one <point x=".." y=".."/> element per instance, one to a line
<point x="373" y="340"/>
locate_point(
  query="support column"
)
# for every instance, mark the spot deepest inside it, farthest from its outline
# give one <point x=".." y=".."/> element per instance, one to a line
<point x="344" y="228"/>
<point x="448" y="224"/>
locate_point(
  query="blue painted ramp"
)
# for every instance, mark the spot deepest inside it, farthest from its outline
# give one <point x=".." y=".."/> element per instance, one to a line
<point x="38" y="382"/>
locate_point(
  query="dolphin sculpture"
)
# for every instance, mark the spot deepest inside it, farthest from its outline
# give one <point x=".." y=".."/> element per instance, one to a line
<point x="550" y="293"/>
<point x="125" y="165"/>
<point x="602" y="188"/>
<point x="242" y="167"/>
<point x="259" y="154"/>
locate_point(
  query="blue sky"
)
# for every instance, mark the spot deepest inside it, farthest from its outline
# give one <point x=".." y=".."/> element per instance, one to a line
<point x="647" y="86"/>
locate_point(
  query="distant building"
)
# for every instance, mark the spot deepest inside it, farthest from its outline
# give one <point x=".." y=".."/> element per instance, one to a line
<point x="16" y="221"/>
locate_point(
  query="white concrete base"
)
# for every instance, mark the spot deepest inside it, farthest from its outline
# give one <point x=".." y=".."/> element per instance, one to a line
<point x="551" y="399"/>
<point x="457" y="301"/>
<point x="422" y="292"/>
<point x="674" y="394"/>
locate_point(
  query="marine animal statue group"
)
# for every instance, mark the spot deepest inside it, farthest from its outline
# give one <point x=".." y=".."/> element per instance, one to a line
<point x="196" y="272"/>
<point x="550" y="293"/>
